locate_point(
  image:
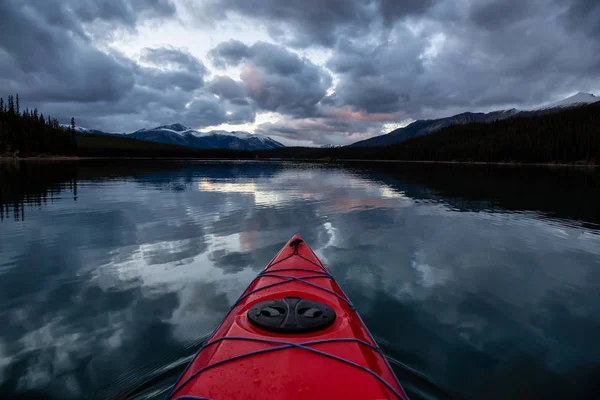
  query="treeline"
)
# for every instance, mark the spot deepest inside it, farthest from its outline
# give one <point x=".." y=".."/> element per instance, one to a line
<point x="569" y="136"/>
<point x="28" y="132"/>
<point x="102" y="145"/>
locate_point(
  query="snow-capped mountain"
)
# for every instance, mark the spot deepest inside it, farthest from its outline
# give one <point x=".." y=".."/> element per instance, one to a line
<point x="173" y="128"/>
<point x="579" y="99"/>
<point x="184" y="136"/>
<point x="82" y="129"/>
<point x="424" y="127"/>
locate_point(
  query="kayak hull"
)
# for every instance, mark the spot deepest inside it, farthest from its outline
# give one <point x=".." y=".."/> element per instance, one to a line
<point x="241" y="360"/>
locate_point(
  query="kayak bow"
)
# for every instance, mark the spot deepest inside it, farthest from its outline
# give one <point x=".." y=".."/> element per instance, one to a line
<point x="293" y="334"/>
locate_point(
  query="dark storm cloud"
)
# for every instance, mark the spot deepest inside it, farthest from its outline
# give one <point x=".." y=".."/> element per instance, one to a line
<point x="42" y="62"/>
<point x="321" y="130"/>
<point x="73" y="14"/>
<point x="276" y="79"/>
<point x="377" y="79"/>
<point x="162" y="80"/>
<point x="48" y="58"/>
<point x="390" y="60"/>
<point x="392" y="10"/>
<point x="229" y="53"/>
<point x="156" y="97"/>
<point x="151" y="106"/>
<point x="498" y="13"/>
<point x="271" y="58"/>
<point x="495" y="54"/>
<point x="127" y="12"/>
<point x="585" y="15"/>
<point x="207" y="110"/>
<point x="172" y="68"/>
<point x="434" y="58"/>
<point x="227" y="88"/>
<point x="314" y="22"/>
<point x="173" y="58"/>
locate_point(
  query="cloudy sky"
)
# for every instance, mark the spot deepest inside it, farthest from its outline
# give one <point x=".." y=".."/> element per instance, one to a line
<point x="304" y="72"/>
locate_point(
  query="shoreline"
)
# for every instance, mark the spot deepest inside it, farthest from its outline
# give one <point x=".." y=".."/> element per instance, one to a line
<point x="506" y="164"/>
<point x="311" y="160"/>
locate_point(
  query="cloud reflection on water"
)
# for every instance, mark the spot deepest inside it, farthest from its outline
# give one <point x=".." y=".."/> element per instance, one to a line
<point x="141" y="265"/>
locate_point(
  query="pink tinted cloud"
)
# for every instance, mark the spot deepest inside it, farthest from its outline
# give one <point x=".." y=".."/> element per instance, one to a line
<point x="252" y="78"/>
<point x="347" y="113"/>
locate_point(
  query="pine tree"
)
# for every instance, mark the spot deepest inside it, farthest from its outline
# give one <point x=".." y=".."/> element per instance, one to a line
<point x="42" y="130"/>
<point x="73" y="140"/>
<point x="2" y="132"/>
<point x="27" y="133"/>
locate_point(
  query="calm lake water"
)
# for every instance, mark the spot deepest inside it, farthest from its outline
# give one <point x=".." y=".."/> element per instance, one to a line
<point x="478" y="282"/>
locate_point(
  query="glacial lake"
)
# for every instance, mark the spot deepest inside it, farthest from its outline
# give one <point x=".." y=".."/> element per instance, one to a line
<point x="479" y="282"/>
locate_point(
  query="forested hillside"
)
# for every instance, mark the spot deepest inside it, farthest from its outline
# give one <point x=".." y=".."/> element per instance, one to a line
<point x="569" y="136"/>
<point x="24" y="132"/>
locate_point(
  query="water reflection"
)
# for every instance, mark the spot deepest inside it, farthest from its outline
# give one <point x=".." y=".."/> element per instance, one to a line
<point x="486" y="293"/>
<point x="30" y="185"/>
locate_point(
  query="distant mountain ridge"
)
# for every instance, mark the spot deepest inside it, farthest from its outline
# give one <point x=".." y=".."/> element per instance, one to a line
<point x="174" y="128"/>
<point x="82" y="129"/>
<point x="579" y="99"/>
<point x="425" y="127"/>
<point x="179" y="134"/>
<point x="183" y="136"/>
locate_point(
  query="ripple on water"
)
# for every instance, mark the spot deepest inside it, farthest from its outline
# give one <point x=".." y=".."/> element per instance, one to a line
<point x="111" y="277"/>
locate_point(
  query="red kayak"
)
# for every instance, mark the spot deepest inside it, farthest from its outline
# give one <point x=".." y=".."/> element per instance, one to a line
<point x="293" y="334"/>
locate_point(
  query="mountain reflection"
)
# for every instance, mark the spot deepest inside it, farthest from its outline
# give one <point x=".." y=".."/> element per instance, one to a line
<point x="558" y="193"/>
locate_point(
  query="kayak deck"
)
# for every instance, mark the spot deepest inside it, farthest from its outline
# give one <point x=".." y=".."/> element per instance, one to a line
<point x="326" y="353"/>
